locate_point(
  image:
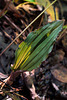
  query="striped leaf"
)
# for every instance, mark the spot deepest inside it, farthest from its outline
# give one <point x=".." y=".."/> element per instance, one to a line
<point x="37" y="46"/>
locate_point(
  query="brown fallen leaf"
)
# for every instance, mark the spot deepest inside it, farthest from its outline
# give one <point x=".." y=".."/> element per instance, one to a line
<point x="27" y="7"/>
<point x="60" y="73"/>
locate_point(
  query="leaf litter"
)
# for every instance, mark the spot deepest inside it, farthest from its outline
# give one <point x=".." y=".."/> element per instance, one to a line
<point x="45" y="82"/>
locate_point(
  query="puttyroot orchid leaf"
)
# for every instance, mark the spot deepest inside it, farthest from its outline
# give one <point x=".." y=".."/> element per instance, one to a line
<point x="37" y="46"/>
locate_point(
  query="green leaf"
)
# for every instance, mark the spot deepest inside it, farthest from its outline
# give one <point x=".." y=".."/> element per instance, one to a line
<point x="37" y="46"/>
<point x="65" y="27"/>
<point x="30" y="0"/>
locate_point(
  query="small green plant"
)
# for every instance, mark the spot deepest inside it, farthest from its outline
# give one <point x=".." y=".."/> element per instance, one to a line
<point x="36" y="47"/>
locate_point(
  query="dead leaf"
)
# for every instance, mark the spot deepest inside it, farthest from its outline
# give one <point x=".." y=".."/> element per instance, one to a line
<point x="60" y="73"/>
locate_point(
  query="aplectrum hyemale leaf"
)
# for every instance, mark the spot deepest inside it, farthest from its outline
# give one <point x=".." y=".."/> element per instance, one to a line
<point x="37" y="46"/>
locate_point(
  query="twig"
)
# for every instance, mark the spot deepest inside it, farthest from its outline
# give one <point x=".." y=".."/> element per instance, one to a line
<point x="5" y="84"/>
<point x="6" y="34"/>
<point x="27" y="27"/>
<point x="14" y="90"/>
<point x="14" y="25"/>
<point x="20" y="95"/>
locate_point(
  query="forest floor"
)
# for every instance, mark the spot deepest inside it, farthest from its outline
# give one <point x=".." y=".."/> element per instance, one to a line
<point x="49" y="81"/>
